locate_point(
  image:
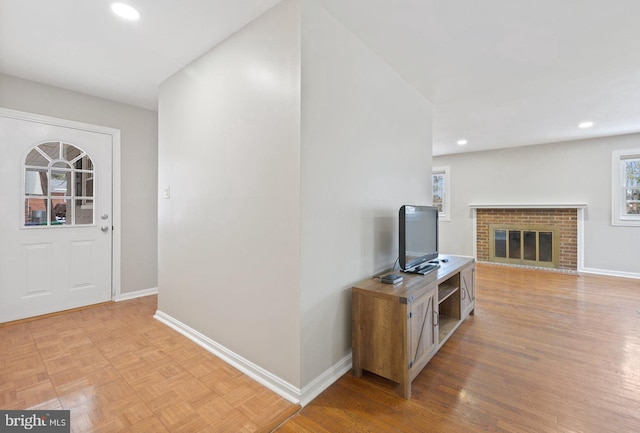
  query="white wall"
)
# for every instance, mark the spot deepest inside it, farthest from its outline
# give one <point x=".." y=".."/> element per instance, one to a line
<point x="229" y="243"/>
<point x="570" y="172"/>
<point x="139" y="138"/>
<point x="284" y="193"/>
<point x="366" y="150"/>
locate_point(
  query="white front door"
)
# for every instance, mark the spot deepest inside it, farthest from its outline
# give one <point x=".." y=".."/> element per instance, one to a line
<point x="55" y="217"/>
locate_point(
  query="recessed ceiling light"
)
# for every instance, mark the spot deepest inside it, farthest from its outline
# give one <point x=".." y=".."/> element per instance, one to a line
<point x="585" y="125"/>
<point x="461" y="142"/>
<point x="125" y="11"/>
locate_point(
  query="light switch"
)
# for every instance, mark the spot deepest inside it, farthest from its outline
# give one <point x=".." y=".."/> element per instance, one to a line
<point x="166" y="193"/>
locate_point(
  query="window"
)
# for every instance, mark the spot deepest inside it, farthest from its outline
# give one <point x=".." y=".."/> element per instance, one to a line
<point x="441" y="192"/>
<point x="626" y="188"/>
<point x="58" y="186"/>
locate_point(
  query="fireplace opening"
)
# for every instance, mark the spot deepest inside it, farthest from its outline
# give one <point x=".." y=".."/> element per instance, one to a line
<point x="523" y="245"/>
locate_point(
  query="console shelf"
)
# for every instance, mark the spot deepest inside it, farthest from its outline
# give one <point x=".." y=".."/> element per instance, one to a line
<point x="424" y="310"/>
<point x="445" y="290"/>
<point x="446" y="325"/>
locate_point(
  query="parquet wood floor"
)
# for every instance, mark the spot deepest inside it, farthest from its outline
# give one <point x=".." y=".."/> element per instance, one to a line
<point x="119" y="370"/>
<point x="544" y="353"/>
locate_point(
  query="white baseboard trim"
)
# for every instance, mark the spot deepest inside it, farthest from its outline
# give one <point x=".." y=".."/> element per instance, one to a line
<point x="610" y="273"/>
<point x="322" y="382"/>
<point x="257" y="373"/>
<point x="136" y="294"/>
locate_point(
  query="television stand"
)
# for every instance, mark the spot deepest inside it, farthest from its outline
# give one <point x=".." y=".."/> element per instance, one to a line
<point x="397" y="329"/>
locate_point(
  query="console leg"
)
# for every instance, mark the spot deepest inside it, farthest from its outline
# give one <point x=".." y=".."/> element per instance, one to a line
<point x="405" y="389"/>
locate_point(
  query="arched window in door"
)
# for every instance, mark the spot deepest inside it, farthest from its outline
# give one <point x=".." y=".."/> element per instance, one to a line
<point x="58" y="186"/>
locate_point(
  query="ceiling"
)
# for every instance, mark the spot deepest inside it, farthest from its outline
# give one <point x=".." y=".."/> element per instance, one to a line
<point x="500" y="73"/>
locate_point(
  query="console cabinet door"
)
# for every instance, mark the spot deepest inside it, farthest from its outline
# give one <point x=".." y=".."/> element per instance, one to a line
<point x="467" y="290"/>
<point x="422" y="330"/>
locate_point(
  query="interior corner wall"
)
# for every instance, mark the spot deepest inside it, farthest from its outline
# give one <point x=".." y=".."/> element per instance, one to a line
<point x="229" y="156"/>
<point x="569" y="172"/>
<point x="365" y="151"/>
<point x="139" y="172"/>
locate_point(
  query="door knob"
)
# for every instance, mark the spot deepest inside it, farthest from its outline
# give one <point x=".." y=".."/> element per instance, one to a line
<point x="104" y="216"/>
<point x="104" y="228"/>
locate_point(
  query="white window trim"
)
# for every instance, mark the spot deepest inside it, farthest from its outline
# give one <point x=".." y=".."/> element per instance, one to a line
<point x="445" y="170"/>
<point x="618" y="216"/>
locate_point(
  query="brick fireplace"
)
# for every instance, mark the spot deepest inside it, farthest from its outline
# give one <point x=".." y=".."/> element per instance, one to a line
<point x="561" y="222"/>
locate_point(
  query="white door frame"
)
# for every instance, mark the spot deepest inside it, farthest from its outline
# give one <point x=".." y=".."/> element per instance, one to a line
<point x="116" y="181"/>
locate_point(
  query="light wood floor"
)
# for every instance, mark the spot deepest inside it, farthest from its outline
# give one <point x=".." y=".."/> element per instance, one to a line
<point x="119" y="370"/>
<point x="545" y="352"/>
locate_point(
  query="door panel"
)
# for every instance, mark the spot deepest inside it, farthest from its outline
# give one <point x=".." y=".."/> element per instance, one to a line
<point x="48" y="261"/>
<point x="37" y="259"/>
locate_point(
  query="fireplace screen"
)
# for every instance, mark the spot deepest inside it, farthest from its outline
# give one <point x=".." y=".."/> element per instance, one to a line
<point x="525" y="245"/>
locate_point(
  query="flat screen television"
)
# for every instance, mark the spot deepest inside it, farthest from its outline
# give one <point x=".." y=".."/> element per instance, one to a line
<point x="418" y="237"/>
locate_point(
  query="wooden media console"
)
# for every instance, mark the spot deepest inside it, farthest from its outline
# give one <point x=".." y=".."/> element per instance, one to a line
<point x="396" y="329"/>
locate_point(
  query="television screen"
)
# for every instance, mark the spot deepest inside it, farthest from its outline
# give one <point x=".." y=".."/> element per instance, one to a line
<point x="418" y="235"/>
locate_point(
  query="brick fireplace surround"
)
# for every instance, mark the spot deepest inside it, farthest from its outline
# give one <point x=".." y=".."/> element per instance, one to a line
<point x="564" y="219"/>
